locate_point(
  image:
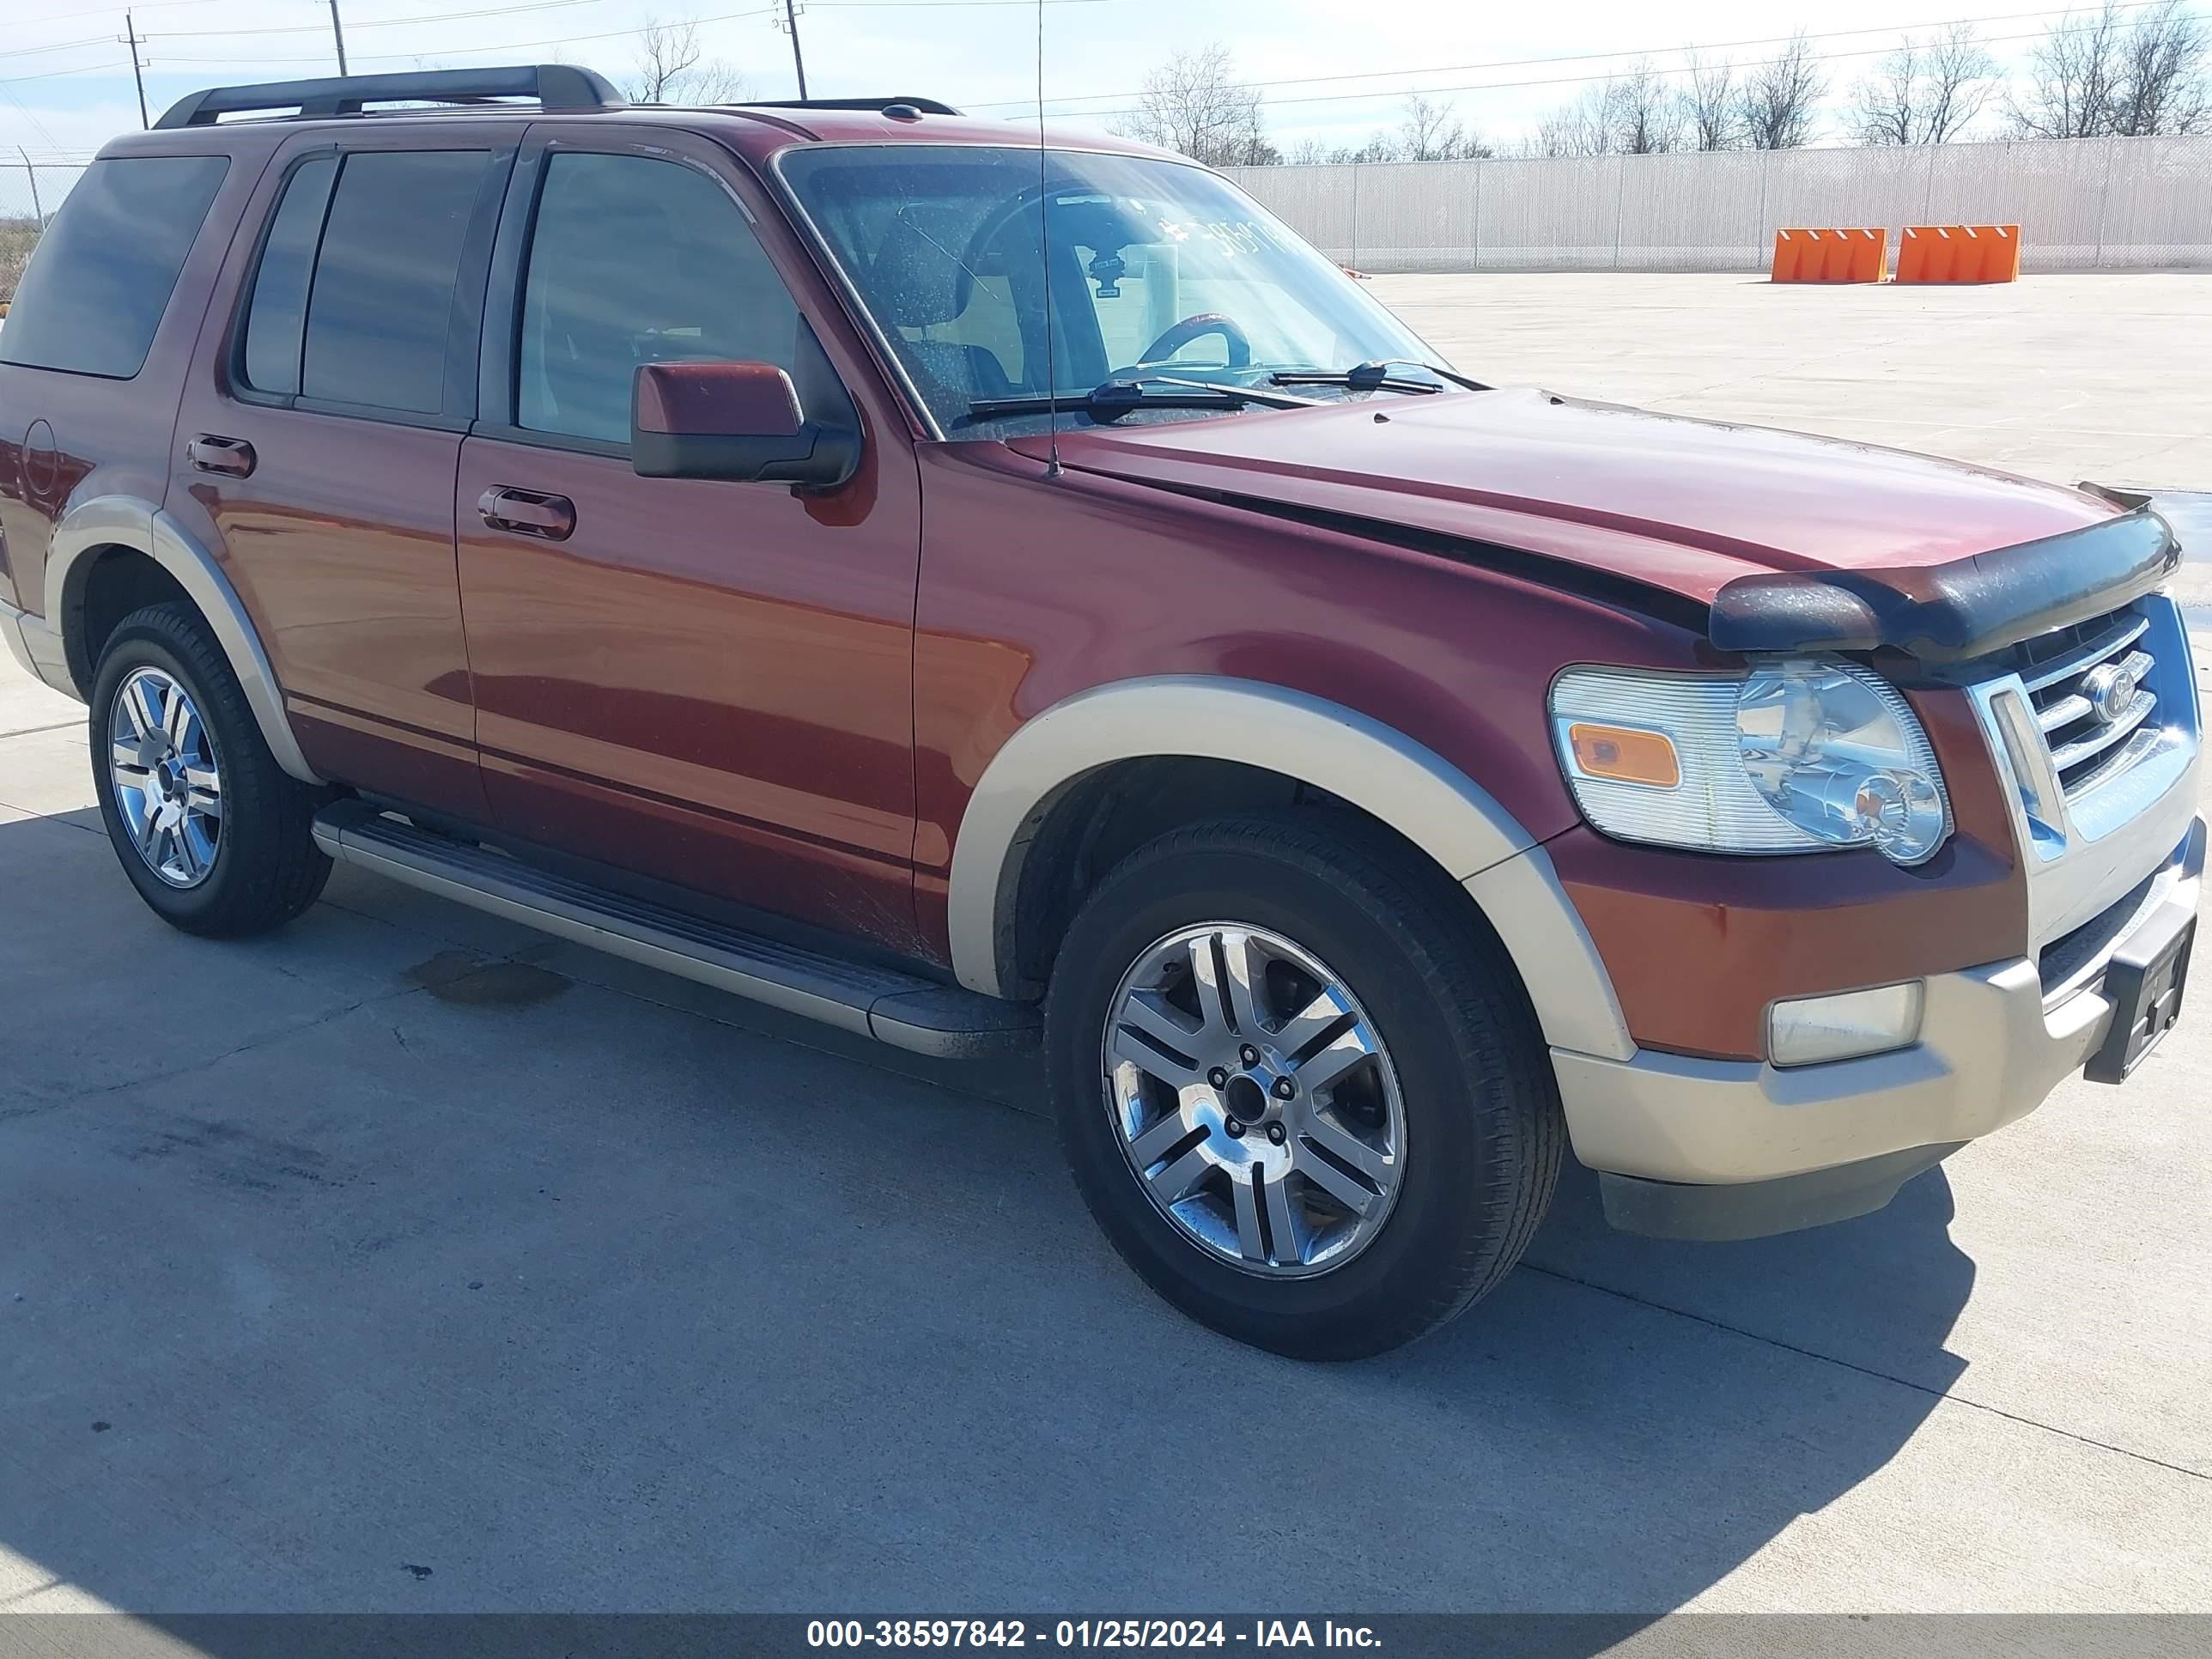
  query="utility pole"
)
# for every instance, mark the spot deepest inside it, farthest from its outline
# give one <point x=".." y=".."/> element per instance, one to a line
<point x="338" y="34"/>
<point x="791" y="22"/>
<point x="38" y="208"/>
<point x="138" y="70"/>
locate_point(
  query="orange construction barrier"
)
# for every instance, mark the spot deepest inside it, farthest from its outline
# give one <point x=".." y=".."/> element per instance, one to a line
<point x="1830" y="256"/>
<point x="1958" y="254"/>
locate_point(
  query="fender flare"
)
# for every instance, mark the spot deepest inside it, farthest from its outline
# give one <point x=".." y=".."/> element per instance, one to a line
<point x="127" y="521"/>
<point x="1403" y="783"/>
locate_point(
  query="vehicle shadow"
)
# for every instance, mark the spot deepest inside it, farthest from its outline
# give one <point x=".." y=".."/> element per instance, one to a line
<point x="581" y="1303"/>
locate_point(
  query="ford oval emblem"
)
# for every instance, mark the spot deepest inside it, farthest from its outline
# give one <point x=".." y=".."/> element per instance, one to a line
<point x="2110" y="690"/>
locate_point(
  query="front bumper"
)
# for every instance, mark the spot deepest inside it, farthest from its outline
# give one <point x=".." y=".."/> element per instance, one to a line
<point x="1995" y="1043"/>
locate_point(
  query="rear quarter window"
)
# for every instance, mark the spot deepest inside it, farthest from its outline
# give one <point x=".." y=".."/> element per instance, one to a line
<point x="104" y="271"/>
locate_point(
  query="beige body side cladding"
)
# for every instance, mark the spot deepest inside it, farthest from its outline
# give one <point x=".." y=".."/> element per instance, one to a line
<point x="1405" y="785"/>
<point x="125" y="521"/>
<point x="36" y="649"/>
<point x="1989" y="1052"/>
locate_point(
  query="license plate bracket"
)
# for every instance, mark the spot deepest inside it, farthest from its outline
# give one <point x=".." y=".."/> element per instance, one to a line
<point x="2143" y="983"/>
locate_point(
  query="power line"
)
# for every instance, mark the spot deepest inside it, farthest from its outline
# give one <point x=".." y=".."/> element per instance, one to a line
<point x="382" y="23"/>
<point x="1569" y="58"/>
<point x="58" y="45"/>
<point x="48" y="75"/>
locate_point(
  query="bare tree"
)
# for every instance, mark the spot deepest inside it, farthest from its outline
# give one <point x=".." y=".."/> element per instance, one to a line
<point x="1432" y="132"/>
<point x="671" y="68"/>
<point x="2073" y="76"/>
<point x="1644" y="113"/>
<point x="1962" y="78"/>
<point x="1709" y="105"/>
<point x="1889" y="99"/>
<point x="1577" y="128"/>
<point x="1634" y="114"/>
<point x="1927" y="92"/>
<point x="2164" y="86"/>
<point x="1780" y="97"/>
<point x="1194" y="103"/>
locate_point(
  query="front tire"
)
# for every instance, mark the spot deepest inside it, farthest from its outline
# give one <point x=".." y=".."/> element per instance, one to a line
<point x="215" y="837"/>
<point x="1299" y="1084"/>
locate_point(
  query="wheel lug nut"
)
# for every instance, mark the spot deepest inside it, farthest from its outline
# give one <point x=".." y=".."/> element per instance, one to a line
<point x="1236" y="1129"/>
<point x="1248" y="1055"/>
<point x="1275" y="1134"/>
<point x="1218" y="1078"/>
<point x="1285" y="1089"/>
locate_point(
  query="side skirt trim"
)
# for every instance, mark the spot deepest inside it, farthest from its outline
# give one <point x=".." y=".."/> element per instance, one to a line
<point x="866" y="999"/>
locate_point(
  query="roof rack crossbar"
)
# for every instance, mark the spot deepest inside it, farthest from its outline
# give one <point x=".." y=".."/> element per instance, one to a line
<point x="926" y="106"/>
<point x="555" y="86"/>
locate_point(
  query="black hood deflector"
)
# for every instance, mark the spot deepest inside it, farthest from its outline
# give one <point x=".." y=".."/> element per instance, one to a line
<point x="1954" y="611"/>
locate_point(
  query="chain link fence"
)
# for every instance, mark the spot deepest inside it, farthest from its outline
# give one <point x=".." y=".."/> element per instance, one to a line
<point x="2083" y="205"/>
<point x="29" y="193"/>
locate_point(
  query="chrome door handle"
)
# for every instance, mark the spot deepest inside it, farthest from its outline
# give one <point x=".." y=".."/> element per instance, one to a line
<point x="528" y="512"/>
<point x="232" y="457"/>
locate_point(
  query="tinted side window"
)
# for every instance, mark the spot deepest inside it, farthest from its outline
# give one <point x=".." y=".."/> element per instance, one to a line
<point x="383" y="289"/>
<point x="104" y="271"/>
<point x="635" y="261"/>
<point x="277" y="314"/>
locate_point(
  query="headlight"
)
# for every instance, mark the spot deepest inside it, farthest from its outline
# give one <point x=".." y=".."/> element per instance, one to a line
<point x="1792" y="758"/>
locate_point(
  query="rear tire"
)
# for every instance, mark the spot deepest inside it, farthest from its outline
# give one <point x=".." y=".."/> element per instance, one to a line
<point x="1454" y="1111"/>
<point x="216" y="837"/>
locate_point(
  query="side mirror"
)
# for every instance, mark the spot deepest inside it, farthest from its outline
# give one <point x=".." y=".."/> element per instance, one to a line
<point x="741" y="421"/>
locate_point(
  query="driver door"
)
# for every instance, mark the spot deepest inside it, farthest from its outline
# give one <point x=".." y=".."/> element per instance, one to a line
<point x="705" y="683"/>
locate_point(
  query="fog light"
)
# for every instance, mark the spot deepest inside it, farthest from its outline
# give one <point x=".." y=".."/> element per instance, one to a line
<point x="1844" y="1027"/>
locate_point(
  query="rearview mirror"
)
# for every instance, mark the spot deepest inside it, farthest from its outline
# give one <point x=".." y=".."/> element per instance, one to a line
<point x="740" y="421"/>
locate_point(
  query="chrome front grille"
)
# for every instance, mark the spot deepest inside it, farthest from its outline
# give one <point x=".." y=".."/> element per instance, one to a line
<point x="2103" y="775"/>
<point x="2091" y="687"/>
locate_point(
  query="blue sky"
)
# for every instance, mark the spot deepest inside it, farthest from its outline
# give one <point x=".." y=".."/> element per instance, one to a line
<point x="65" y="82"/>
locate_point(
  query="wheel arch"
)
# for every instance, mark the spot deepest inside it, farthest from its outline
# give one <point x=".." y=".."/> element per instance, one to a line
<point x="1016" y="813"/>
<point x="108" y="527"/>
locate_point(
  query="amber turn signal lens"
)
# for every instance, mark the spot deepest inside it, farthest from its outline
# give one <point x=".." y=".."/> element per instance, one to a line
<point x="1619" y="755"/>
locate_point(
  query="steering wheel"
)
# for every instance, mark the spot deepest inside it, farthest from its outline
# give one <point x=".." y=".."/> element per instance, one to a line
<point x="1238" y="343"/>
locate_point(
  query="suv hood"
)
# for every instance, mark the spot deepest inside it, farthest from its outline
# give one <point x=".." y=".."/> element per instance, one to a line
<point x="1683" y="505"/>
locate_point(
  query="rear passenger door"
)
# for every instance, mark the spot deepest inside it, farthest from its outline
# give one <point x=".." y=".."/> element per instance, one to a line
<point x="706" y="682"/>
<point x="319" y="457"/>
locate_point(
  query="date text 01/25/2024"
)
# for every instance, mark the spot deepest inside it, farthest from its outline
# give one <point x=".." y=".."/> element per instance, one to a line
<point x="1084" y="1633"/>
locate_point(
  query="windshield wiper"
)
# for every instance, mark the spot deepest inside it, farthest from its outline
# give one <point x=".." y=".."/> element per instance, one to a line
<point x="1115" y="398"/>
<point x="1375" y="376"/>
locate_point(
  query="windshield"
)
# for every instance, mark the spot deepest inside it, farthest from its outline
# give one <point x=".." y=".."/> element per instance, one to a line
<point x="1158" y="268"/>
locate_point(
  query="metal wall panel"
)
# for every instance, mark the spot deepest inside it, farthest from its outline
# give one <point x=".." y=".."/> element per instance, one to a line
<point x="2156" y="203"/>
<point x="2082" y="204"/>
<point x="1694" y="212"/>
<point x="1562" y="213"/>
<point x="2053" y="191"/>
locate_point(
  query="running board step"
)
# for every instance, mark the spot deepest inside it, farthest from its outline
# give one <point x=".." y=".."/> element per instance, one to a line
<point x="901" y="1009"/>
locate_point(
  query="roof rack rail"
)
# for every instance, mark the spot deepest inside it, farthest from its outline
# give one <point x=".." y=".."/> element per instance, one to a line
<point x="555" y="86"/>
<point x="926" y="106"/>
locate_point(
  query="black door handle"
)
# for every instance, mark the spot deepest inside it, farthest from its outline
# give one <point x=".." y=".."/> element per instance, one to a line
<point x="528" y="512"/>
<point x="232" y="457"/>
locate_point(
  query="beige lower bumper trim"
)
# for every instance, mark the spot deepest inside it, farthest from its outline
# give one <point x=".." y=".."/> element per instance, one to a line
<point x="1989" y="1053"/>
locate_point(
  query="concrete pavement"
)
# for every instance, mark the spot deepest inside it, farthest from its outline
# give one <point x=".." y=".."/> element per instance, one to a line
<point x="2062" y="378"/>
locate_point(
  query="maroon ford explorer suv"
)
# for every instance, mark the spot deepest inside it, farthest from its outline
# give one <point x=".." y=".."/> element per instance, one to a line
<point x="982" y="596"/>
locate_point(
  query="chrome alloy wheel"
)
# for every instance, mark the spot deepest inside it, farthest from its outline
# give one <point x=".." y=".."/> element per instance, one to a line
<point x="168" y="786"/>
<point x="1256" y="1103"/>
